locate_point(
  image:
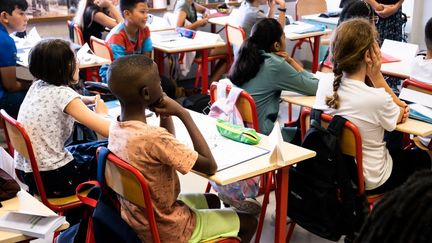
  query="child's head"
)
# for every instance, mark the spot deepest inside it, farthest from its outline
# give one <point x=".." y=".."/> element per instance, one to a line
<point x="135" y="12"/>
<point x="53" y="61"/>
<point x="402" y="215"/>
<point x="356" y="9"/>
<point x="428" y="35"/>
<point x="12" y="15"/>
<point x="350" y="42"/>
<point x="134" y="80"/>
<point x="267" y="35"/>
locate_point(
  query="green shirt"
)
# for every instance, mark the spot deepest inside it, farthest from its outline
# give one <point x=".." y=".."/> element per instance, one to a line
<point x="274" y="76"/>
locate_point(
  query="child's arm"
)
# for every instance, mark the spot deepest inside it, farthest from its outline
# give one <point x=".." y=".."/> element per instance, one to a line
<point x="80" y="112"/>
<point x="10" y="82"/>
<point x="205" y="162"/>
<point x="376" y="77"/>
<point x="110" y="20"/>
<point x="375" y="5"/>
<point x="193" y="26"/>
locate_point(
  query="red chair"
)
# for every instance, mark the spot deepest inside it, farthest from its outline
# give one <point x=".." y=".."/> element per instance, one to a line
<point x="235" y="37"/>
<point x="247" y="108"/>
<point x="128" y="182"/>
<point x="17" y="139"/>
<point x="101" y="48"/>
<point x="424" y="88"/>
<point x="307" y="7"/>
<point x="78" y="36"/>
<point x="213" y="55"/>
<point x="352" y="145"/>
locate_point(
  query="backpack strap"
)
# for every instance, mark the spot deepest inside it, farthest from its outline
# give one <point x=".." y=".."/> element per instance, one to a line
<point x="102" y="156"/>
<point x="336" y="125"/>
<point x="315" y="117"/>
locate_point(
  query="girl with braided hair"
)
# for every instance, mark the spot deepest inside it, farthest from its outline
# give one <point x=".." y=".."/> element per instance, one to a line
<point x="403" y="215"/>
<point x="359" y="93"/>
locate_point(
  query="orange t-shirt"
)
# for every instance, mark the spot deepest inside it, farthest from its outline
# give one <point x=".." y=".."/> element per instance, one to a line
<point x="158" y="155"/>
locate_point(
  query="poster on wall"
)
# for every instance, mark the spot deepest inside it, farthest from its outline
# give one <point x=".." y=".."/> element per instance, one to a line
<point x="41" y="8"/>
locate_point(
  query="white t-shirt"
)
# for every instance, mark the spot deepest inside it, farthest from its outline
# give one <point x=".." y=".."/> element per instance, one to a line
<point x="48" y="126"/>
<point x="372" y="110"/>
<point x="421" y="70"/>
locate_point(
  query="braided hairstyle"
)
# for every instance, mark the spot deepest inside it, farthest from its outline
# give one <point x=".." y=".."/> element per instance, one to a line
<point x="249" y="59"/>
<point x="403" y="215"/>
<point x="349" y="44"/>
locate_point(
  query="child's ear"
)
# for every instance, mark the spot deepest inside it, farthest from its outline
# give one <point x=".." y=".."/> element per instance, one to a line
<point x="145" y="93"/>
<point x="276" y="47"/>
<point x="3" y="17"/>
<point x="367" y="57"/>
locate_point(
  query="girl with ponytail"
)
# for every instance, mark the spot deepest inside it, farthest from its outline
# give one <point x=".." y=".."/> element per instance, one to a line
<point x="359" y="93"/>
<point x="264" y="68"/>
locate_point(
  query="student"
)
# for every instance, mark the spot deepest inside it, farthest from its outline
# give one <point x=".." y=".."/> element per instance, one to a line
<point x="356" y="58"/>
<point x="187" y="14"/>
<point x="187" y="17"/>
<point x="403" y="215"/>
<point x="250" y="14"/>
<point x="12" y="90"/>
<point x="158" y="155"/>
<point x="94" y="16"/>
<point x="48" y="113"/>
<point x="132" y="36"/>
<point x="351" y="9"/>
<point x="422" y="67"/>
<point x="264" y="69"/>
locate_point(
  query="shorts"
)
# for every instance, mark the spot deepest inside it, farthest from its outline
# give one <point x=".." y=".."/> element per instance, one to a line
<point x="210" y="223"/>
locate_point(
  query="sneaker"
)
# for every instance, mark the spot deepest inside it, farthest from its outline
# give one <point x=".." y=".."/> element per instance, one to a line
<point x="249" y="205"/>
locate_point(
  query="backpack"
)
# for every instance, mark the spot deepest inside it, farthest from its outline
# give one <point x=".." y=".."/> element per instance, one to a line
<point x="225" y="108"/>
<point x="197" y="102"/>
<point x="323" y="196"/>
<point x="101" y="220"/>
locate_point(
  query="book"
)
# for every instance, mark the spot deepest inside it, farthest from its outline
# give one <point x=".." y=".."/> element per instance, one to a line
<point x="420" y="112"/>
<point x="30" y="224"/>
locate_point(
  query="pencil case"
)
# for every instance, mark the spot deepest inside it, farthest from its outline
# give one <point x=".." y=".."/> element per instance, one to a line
<point x="237" y="133"/>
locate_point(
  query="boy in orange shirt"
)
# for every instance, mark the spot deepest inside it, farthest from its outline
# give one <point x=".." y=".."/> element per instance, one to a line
<point x="158" y="155"/>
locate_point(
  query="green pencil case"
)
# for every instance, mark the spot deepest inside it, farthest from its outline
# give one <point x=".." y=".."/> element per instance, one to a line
<point x="237" y="133"/>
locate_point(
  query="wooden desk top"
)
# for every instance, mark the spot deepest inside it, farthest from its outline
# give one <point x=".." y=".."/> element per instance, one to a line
<point x="411" y="126"/>
<point x="244" y="170"/>
<point x="25" y="202"/>
<point x="182" y="44"/>
<point x="251" y="168"/>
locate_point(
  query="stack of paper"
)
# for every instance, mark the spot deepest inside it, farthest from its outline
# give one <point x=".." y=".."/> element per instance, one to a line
<point x="421" y="113"/>
<point x="31" y="224"/>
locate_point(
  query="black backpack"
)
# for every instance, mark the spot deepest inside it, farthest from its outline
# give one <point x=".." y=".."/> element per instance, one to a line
<point x="323" y="196"/>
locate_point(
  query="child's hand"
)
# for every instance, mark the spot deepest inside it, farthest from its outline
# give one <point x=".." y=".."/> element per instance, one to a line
<point x="88" y="100"/>
<point x="285" y="56"/>
<point x="387" y="10"/>
<point x="167" y="107"/>
<point x="406" y="114"/>
<point x="203" y="21"/>
<point x="100" y="106"/>
<point x="373" y="62"/>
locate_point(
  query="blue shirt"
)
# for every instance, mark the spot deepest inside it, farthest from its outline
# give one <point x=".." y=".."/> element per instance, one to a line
<point x="8" y="53"/>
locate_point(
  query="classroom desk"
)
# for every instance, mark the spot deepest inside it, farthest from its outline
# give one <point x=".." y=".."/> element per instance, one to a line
<point x="316" y="35"/>
<point x="25" y="202"/>
<point x="250" y="168"/>
<point x="411" y="126"/>
<point x="400" y="69"/>
<point x="221" y="21"/>
<point x="160" y="48"/>
<point x="315" y="19"/>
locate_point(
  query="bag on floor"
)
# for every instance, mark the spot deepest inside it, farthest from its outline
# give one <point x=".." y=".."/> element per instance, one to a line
<point x="323" y="196"/>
